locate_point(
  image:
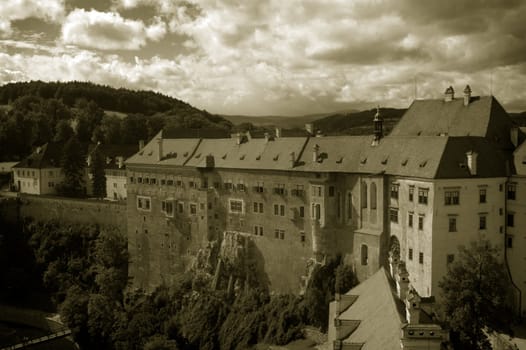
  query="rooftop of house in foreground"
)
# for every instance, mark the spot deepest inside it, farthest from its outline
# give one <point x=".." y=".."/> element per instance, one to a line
<point x="430" y="141"/>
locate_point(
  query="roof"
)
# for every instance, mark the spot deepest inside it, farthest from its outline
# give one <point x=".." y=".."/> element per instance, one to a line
<point x="416" y="156"/>
<point x="377" y="308"/>
<point x="46" y="156"/>
<point x="482" y="117"/>
<point x="5" y="167"/>
<point x="111" y="152"/>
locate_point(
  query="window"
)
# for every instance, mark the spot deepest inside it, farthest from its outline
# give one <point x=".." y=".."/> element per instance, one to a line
<point x="452" y="197"/>
<point x="511" y="220"/>
<point x="411" y="193"/>
<point x="167" y="208"/>
<point x="410" y="254"/>
<point x="423" y="194"/>
<point x="143" y="203"/>
<point x="170" y="182"/>
<point x="509" y="242"/>
<point x="317" y="191"/>
<point x="279" y="189"/>
<point x="421" y="258"/>
<point x="482" y="195"/>
<point x="393" y="215"/>
<point x="316" y="211"/>
<point x="512" y="191"/>
<point x="153" y="181"/>
<point x="373" y="195"/>
<point x="259" y="187"/>
<point x="365" y="257"/>
<point x="180" y="207"/>
<point x="364" y="195"/>
<point x="331" y="191"/>
<point x="51" y="184"/>
<point x="450" y="258"/>
<point x="139" y="180"/>
<point x="339" y="205"/>
<point x="146" y="180"/>
<point x="394" y="191"/>
<point x="410" y="220"/>
<point x="420" y="222"/>
<point x="163" y="182"/>
<point x="258" y="230"/>
<point x="258" y="207"/>
<point x="302" y="211"/>
<point x="349" y="205"/>
<point x="482" y="222"/>
<point x="302" y="236"/>
<point x="241" y="187"/>
<point x="452" y="224"/>
<point x="279" y="209"/>
<point x="279" y="234"/>
<point x="228" y="185"/>
<point x="114" y="185"/>
<point x="193" y="208"/>
<point x="179" y="183"/>
<point x="236" y="206"/>
<point x="299" y="191"/>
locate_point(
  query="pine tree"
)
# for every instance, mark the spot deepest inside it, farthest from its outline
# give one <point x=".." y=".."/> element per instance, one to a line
<point x="73" y="161"/>
<point x="97" y="171"/>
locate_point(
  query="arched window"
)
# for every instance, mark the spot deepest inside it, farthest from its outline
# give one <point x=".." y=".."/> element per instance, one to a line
<point x="373" y="195"/>
<point x="349" y="205"/>
<point x="364" y="195"/>
<point x="365" y="256"/>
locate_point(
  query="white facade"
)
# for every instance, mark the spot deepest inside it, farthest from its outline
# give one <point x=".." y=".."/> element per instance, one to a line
<point x="37" y="181"/>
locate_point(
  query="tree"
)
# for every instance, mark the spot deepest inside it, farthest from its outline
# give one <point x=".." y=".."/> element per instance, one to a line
<point x="345" y="278"/>
<point x="63" y="131"/>
<point x="476" y="292"/>
<point x="72" y="163"/>
<point x="97" y="171"/>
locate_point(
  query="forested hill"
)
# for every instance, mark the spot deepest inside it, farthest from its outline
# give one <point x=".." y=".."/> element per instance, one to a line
<point x="34" y="113"/>
<point x="106" y="97"/>
<point x="358" y="123"/>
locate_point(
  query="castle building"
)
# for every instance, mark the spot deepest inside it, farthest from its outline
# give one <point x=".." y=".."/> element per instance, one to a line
<point x="442" y="178"/>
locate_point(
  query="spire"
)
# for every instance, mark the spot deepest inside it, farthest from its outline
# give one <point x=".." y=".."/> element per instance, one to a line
<point x="378" y="126"/>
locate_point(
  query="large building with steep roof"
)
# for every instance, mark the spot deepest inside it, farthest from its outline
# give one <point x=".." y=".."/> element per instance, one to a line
<point x="438" y="181"/>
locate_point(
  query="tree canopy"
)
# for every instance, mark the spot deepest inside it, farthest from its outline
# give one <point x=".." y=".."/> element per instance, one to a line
<point x="476" y="295"/>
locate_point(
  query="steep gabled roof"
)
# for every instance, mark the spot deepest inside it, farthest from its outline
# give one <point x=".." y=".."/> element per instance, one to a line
<point x="379" y="311"/>
<point x="482" y="117"/>
<point x="45" y="156"/>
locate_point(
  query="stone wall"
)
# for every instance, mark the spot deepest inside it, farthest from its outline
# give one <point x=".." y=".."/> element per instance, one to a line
<point x="82" y="211"/>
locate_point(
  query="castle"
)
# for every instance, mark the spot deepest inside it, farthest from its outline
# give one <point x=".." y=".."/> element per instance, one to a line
<point x="450" y="172"/>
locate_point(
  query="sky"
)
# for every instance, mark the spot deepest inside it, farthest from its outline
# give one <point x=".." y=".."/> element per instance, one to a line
<point x="273" y="57"/>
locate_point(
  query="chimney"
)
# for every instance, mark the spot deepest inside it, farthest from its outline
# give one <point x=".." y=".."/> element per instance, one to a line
<point x="471" y="158"/>
<point x="514" y="136"/>
<point x="120" y="162"/>
<point x="239" y="138"/>
<point x="292" y="159"/>
<point x="141" y="144"/>
<point x="309" y="127"/>
<point x="278" y="132"/>
<point x="467" y="95"/>
<point x="449" y="95"/>
<point x="319" y="133"/>
<point x="412" y="307"/>
<point x="402" y="281"/>
<point x="267" y="137"/>
<point x="160" y="148"/>
<point x="315" y="153"/>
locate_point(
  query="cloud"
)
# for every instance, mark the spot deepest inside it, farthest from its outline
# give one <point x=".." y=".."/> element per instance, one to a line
<point x="12" y="10"/>
<point x="109" y="31"/>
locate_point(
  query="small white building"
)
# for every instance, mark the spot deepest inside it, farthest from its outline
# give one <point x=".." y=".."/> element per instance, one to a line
<point x="40" y="172"/>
